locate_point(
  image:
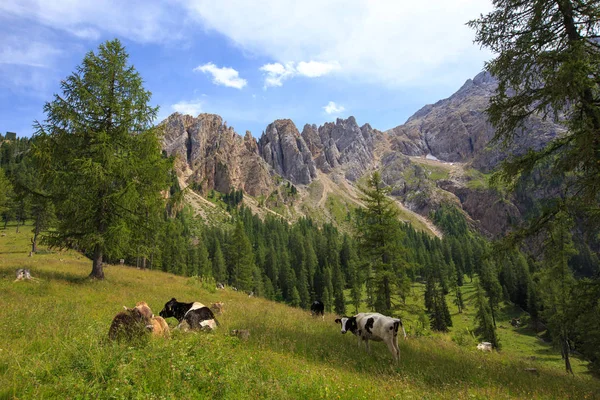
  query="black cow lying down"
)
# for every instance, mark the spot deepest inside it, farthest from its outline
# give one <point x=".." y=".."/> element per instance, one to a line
<point x="196" y="315"/>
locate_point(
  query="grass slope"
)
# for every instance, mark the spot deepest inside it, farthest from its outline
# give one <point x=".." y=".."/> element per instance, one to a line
<point x="53" y="346"/>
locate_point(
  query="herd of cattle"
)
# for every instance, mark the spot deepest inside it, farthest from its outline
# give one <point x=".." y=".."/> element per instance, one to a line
<point x="139" y="321"/>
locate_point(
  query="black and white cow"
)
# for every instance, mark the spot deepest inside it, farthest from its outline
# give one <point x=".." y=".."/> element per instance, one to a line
<point x="376" y="327"/>
<point x="196" y="315"/>
<point x="317" y="308"/>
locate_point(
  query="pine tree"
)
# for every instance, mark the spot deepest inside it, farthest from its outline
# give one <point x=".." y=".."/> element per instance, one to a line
<point x="99" y="152"/>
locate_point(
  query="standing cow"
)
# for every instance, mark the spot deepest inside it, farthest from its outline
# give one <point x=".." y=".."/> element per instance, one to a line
<point x="376" y="327"/>
<point x="317" y="308"/>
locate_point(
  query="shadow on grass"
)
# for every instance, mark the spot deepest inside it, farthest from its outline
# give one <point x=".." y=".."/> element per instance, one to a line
<point x="62" y="276"/>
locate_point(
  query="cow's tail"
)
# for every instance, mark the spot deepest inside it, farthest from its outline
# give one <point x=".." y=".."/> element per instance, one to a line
<point x="398" y="324"/>
<point x="216" y="322"/>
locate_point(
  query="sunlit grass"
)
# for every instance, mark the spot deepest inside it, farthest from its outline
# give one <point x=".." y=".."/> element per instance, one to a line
<point x="54" y="346"/>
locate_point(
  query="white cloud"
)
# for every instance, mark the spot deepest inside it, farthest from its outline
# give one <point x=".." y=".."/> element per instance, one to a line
<point x="222" y="76"/>
<point x="139" y="20"/>
<point x="17" y="51"/>
<point x="391" y="42"/>
<point x="193" y="107"/>
<point x="313" y="69"/>
<point x="276" y="73"/>
<point x="332" y="108"/>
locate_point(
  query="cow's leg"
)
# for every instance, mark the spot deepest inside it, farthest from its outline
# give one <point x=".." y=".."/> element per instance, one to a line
<point x="368" y="346"/>
<point x="395" y="352"/>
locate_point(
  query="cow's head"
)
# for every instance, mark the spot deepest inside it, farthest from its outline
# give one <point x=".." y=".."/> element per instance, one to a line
<point x="348" y="324"/>
<point x="140" y="318"/>
<point x="144" y="309"/>
<point x="169" y="310"/>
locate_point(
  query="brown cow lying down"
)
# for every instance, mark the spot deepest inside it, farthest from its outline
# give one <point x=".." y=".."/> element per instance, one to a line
<point x="159" y="325"/>
<point x="130" y="324"/>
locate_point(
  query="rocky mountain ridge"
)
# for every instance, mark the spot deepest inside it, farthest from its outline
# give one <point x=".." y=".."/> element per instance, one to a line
<point x="455" y="131"/>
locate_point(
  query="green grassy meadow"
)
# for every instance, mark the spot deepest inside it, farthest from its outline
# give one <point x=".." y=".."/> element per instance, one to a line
<point x="53" y="345"/>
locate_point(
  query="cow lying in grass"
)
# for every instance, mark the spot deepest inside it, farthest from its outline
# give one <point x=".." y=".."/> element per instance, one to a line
<point x="196" y="315"/>
<point x="376" y="327"/>
<point x="130" y="324"/>
<point x="159" y="325"/>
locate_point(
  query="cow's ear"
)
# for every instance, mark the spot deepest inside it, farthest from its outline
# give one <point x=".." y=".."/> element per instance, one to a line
<point x="337" y="321"/>
<point x="173" y="299"/>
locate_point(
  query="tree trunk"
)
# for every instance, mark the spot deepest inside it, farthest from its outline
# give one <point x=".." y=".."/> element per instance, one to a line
<point x="565" y="353"/>
<point x="18" y="225"/>
<point x="97" y="269"/>
<point x="35" y="235"/>
<point x="493" y="316"/>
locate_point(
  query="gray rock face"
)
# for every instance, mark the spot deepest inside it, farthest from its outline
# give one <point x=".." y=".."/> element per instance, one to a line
<point x="210" y="153"/>
<point x="282" y="147"/>
<point x="493" y="214"/>
<point x="457" y="128"/>
<point x="342" y="143"/>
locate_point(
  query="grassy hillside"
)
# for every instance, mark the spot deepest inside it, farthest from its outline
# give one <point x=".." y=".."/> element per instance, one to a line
<point x="53" y="346"/>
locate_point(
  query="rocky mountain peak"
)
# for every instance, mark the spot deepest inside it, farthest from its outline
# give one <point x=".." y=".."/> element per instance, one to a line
<point x="284" y="149"/>
<point x="213" y="155"/>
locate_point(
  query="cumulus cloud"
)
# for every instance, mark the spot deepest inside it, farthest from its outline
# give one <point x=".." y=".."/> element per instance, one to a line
<point x="193" y="107"/>
<point x="386" y="41"/>
<point x="276" y="73"/>
<point x="224" y="76"/>
<point x="313" y="69"/>
<point x="332" y="108"/>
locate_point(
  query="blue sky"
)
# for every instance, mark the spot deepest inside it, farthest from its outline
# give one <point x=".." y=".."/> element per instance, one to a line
<point x="249" y="61"/>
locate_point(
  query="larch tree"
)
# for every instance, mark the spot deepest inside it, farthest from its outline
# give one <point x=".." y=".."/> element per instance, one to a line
<point x="101" y="156"/>
<point x="548" y="64"/>
<point x="557" y="281"/>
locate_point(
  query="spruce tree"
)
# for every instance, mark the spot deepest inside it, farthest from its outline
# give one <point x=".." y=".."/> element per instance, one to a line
<point x="204" y="265"/>
<point x="379" y="237"/>
<point x="339" y="301"/>
<point x="6" y="192"/>
<point x="218" y="264"/>
<point x="485" y="327"/>
<point x="100" y="154"/>
<point x="241" y="258"/>
<point x="489" y="281"/>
